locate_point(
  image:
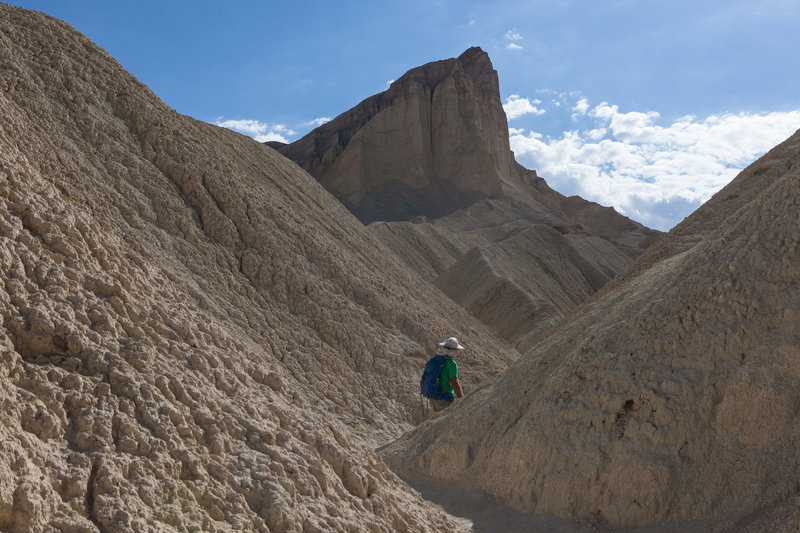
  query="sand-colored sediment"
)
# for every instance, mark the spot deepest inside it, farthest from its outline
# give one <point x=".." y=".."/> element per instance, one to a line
<point x="671" y="398"/>
<point x="196" y="335"/>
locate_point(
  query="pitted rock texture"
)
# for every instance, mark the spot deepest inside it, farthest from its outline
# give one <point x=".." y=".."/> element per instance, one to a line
<point x="196" y="335"/>
<point x="671" y="398"/>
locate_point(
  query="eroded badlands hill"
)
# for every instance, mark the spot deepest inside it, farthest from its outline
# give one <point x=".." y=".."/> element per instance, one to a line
<point x="519" y="266"/>
<point x="428" y="164"/>
<point x="196" y="335"/>
<point x="670" y="399"/>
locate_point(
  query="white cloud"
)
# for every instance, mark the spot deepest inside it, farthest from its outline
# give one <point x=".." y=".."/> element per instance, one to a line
<point x="596" y="134"/>
<point x="517" y="106"/>
<point x="259" y="131"/>
<point x="514" y="36"/>
<point x="317" y="121"/>
<point x="652" y="173"/>
<point x="580" y="108"/>
<point x="632" y="126"/>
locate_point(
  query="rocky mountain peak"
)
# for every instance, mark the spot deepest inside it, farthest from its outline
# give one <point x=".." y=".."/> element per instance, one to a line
<point x="429" y="159"/>
<point x="434" y="142"/>
<point x="476" y="62"/>
<point x="473" y="63"/>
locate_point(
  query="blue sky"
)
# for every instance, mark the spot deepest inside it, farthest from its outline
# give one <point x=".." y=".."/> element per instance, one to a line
<point x="649" y="106"/>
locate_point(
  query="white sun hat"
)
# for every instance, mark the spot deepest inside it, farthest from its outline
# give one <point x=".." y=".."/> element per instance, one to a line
<point x="451" y="343"/>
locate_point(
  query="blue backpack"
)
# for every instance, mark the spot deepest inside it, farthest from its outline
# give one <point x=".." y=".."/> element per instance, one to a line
<point x="429" y="384"/>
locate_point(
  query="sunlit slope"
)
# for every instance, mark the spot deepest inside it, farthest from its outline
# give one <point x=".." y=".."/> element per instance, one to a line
<point x="195" y="334"/>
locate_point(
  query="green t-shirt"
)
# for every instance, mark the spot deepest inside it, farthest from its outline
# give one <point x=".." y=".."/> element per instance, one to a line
<point x="449" y="371"/>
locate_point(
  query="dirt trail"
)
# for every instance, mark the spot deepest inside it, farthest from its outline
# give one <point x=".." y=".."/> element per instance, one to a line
<point x="479" y="512"/>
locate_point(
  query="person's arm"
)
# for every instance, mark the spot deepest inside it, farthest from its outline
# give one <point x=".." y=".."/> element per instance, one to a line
<point x="456" y="387"/>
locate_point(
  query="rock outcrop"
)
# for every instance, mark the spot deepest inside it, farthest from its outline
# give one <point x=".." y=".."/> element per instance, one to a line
<point x="196" y="335"/>
<point x="670" y="400"/>
<point x="434" y="142"/>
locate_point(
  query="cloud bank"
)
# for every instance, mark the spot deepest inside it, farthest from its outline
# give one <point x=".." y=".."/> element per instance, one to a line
<point x="655" y="174"/>
<point x="259" y="131"/>
<point x="317" y="121"/>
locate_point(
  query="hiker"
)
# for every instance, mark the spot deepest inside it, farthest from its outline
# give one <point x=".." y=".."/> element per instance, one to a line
<point x="448" y="378"/>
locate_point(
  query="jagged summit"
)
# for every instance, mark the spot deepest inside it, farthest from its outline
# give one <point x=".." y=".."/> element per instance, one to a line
<point x="474" y="63"/>
<point x="434" y="142"/>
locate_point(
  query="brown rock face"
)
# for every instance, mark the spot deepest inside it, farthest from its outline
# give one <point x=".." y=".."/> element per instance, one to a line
<point x="196" y="335"/>
<point x="670" y="400"/>
<point x="434" y="142"/>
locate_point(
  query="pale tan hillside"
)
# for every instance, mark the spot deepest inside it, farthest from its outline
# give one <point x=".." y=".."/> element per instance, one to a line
<point x="522" y="284"/>
<point x="196" y="335"/>
<point x="671" y="401"/>
<point x="516" y="264"/>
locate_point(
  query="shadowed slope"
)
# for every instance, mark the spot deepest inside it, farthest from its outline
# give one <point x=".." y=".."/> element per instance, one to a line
<point x="671" y="398"/>
<point x="525" y="282"/>
<point x="519" y="264"/>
